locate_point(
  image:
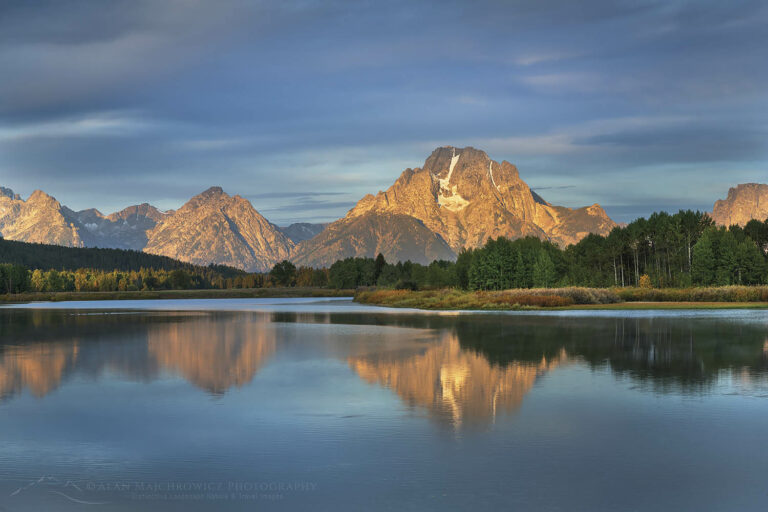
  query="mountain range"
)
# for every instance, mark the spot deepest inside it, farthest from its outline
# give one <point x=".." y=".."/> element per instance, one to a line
<point x="458" y="199"/>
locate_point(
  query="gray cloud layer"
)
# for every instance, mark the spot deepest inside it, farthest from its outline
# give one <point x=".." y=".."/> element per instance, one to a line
<point x="637" y="105"/>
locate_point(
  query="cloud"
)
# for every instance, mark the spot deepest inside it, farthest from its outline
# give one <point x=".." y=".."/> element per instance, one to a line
<point x="287" y="195"/>
<point x="575" y="81"/>
<point x="268" y="97"/>
<point x="101" y="124"/>
<point x="214" y="144"/>
<point x="540" y="57"/>
<point x="580" y="138"/>
<point x="558" y="187"/>
<point x="311" y="205"/>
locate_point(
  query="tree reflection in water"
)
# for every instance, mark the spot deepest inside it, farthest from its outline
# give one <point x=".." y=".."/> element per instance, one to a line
<point x="462" y="369"/>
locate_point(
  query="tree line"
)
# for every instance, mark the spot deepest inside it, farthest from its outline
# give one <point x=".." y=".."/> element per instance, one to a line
<point x="680" y="250"/>
<point x="43" y="256"/>
<point x="29" y="267"/>
<point x="18" y="279"/>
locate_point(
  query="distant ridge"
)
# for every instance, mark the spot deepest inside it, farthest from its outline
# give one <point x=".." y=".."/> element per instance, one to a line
<point x="300" y="231"/>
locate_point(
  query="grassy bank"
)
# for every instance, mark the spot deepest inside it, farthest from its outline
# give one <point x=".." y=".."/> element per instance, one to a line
<point x="672" y="305"/>
<point x="244" y="293"/>
<point x="570" y="298"/>
<point x="491" y="300"/>
<point x="701" y="294"/>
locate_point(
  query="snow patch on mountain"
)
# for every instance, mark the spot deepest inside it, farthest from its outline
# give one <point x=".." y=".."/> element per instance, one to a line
<point x="448" y="197"/>
<point x="490" y="172"/>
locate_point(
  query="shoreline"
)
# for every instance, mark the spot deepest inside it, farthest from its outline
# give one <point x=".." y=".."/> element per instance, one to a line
<point x="621" y="306"/>
<point x="408" y="300"/>
<point x="563" y="299"/>
<point x="640" y="306"/>
<point x="234" y="293"/>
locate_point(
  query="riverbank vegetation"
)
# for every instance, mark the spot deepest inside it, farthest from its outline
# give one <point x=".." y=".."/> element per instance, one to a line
<point x="234" y="293"/>
<point x="613" y="298"/>
<point x="454" y="299"/>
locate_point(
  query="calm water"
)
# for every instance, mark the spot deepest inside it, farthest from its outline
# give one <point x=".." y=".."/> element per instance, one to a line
<point x="326" y="405"/>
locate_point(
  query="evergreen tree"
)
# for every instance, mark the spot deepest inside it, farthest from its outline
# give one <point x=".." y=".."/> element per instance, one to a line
<point x="750" y="263"/>
<point x="378" y="267"/>
<point x="704" y="263"/>
<point x="726" y="256"/>
<point x="463" y="263"/>
<point x="543" y="271"/>
<point x="284" y="273"/>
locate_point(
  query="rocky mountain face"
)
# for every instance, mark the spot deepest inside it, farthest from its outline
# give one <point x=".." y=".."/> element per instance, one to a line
<point x="744" y="202"/>
<point x="398" y="237"/>
<point x="465" y="198"/>
<point x="6" y="192"/>
<point x="300" y="231"/>
<point x="211" y="228"/>
<point x="42" y="219"/>
<point x="214" y="227"/>
<point x="39" y="219"/>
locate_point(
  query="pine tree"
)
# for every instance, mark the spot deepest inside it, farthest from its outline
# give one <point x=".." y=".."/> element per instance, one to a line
<point x="726" y="256"/>
<point x="704" y="264"/>
<point x="521" y="278"/>
<point x="379" y="265"/>
<point x="543" y="271"/>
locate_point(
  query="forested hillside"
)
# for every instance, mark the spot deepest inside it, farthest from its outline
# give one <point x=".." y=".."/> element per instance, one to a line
<point x="38" y="267"/>
<point x="42" y="256"/>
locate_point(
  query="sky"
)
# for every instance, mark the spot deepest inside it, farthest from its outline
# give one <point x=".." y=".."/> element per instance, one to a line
<point x="305" y="106"/>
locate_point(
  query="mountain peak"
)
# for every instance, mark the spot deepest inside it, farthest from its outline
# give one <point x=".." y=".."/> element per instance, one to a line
<point x="447" y="157"/>
<point x="214" y="227"/>
<point x="466" y="197"/>
<point x="212" y="192"/>
<point x="38" y="196"/>
<point x="455" y="150"/>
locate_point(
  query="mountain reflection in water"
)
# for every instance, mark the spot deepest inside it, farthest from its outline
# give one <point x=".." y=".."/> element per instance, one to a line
<point x="211" y="354"/>
<point x="455" y="384"/>
<point x="461" y="370"/>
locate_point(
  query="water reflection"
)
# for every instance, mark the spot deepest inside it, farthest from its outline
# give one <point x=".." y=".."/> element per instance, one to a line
<point x="464" y="370"/>
<point x="214" y="355"/>
<point x="39" y="367"/>
<point x="456" y="385"/>
<point x="213" y="352"/>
